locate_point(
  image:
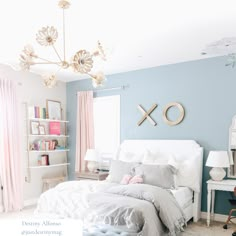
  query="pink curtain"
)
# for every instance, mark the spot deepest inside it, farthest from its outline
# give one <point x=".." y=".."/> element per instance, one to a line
<point x="85" y="128"/>
<point x="10" y="155"/>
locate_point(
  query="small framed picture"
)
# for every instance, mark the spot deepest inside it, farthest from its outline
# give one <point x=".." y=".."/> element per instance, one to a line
<point x="53" y="110"/>
<point x="42" y="130"/>
<point x="34" y="127"/>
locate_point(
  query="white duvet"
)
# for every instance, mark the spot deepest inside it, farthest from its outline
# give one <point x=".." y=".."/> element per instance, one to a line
<point x="145" y="209"/>
<point x="64" y="200"/>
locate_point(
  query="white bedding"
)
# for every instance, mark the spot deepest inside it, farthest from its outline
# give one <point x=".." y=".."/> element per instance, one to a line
<point x="184" y="196"/>
<point x="100" y="202"/>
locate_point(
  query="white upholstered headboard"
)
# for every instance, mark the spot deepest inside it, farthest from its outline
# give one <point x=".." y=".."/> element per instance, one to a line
<point x="180" y="148"/>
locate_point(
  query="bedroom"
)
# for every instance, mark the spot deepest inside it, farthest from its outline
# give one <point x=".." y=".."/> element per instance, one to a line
<point x="174" y="72"/>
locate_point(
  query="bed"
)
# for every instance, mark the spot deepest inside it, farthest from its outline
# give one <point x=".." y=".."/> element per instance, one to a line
<point x="141" y="208"/>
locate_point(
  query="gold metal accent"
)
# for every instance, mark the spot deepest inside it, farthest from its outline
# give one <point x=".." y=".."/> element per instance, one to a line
<point x="181" y="116"/>
<point x="64" y="4"/>
<point x="65" y="64"/>
<point x="82" y="62"/>
<point x="47" y="36"/>
<point x="147" y="115"/>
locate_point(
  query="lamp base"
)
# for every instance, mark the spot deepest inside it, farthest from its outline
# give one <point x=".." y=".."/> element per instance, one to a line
<point x="217" y="173"/>
<point x="92" y="166"/>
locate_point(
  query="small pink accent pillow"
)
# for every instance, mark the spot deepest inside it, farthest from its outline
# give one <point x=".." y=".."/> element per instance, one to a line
<point x="126" y="179"/>
<point x="137" y="179"/>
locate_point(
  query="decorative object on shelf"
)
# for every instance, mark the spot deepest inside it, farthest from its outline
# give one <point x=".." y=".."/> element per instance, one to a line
<point x="53" y="110"/>
<point x="92" y="156"/>
<point x="42" y="130"/>
<point x="181" y="116"/>
<point x="81" y="62"/>
<point x="54" y="128"/>
<point x="218" y="160"/>
<point x="34" y="127"/>
<point x="45" y="160"/>
<point x="146" y="114"/>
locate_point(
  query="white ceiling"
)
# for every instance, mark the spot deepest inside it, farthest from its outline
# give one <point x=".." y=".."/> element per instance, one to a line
<point x="135" y="33"/>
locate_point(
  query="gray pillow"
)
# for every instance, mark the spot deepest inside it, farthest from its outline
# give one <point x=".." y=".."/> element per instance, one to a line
<point x="157" y="175"/>
<point x="120" y="168"/>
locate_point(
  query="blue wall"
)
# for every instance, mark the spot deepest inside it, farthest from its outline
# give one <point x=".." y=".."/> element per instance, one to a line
<point x="207" y="90"/>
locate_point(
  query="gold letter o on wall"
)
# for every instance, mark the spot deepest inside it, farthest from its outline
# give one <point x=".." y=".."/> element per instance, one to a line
<point x="181" y="116"/>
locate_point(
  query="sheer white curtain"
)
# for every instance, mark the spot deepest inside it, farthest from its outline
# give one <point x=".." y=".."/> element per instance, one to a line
<point x="10" y="155"/>
<point x="85" y="128"/>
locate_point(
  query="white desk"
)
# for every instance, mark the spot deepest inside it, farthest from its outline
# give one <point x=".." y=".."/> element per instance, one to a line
<point x="224" y="185"/>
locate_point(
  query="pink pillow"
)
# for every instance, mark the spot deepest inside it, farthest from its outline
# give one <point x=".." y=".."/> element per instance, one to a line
<point x="137" y="179"/>
<point x="126" y="179"/>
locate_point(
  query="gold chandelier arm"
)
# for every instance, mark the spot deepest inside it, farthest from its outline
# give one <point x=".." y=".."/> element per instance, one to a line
<point x="47" y="63"/>
<point x="64" y="35"/>
<point x="57" y="53"/>
<point x="92" y="76"/>
<point x="46" y="60"/>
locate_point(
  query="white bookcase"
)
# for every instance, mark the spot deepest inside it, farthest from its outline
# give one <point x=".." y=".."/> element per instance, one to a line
<point x="57" y="156"/>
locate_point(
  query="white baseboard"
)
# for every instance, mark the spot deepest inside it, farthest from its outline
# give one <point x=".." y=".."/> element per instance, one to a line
<point x="30" y="202"/>
<point x="216" y="217"/>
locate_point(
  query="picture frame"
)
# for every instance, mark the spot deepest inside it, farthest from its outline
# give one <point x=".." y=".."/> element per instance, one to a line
<point x="42" y="130"/>
<point x="34" y="125"/>
<point x="53" y="109"/>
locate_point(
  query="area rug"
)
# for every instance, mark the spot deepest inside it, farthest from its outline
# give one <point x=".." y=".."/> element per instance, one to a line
<point x="200" y="229"/>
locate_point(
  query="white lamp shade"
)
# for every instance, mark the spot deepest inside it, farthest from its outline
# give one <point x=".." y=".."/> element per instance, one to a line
<point x="92" y="155"/>
<point x="218" y="159"/>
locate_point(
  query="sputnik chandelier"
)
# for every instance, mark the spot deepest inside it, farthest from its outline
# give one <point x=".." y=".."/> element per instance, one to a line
<point x="81" y="62"/>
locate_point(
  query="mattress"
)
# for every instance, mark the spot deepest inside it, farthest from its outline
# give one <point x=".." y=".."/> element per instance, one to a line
<point x="184" y="196"/>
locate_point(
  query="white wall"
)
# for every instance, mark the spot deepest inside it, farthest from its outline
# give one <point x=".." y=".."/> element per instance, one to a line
<point x="31" y="90"/>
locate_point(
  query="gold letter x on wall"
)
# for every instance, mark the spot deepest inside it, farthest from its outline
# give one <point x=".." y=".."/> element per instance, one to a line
<point x="147" y="115"/>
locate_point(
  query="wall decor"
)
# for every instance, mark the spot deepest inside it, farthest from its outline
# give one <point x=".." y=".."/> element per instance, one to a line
<point x="146" y="114"/>
<point x="53" y="110"/>
<point x="34" y="127"/>
<point x="181" y="116"/>
<point x="42" y="130"/>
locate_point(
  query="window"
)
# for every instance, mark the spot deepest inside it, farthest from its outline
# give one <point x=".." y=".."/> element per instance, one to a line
<point x="107" y="125"/>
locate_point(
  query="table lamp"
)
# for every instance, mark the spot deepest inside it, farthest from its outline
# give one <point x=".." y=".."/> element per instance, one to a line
<point x="92" y="156"/>
<point x="218" y="160"/>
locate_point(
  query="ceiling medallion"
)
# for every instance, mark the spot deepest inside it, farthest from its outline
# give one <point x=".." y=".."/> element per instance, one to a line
<point x="81" y="62"/>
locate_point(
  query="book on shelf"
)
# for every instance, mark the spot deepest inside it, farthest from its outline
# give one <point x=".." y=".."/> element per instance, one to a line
<point x="45" y="160"/>
<point x="36" y="112"/>
<point x="54" y="128"/>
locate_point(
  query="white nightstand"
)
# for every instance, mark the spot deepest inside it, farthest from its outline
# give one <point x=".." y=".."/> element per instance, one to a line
<point x="86" y="175"/>
<point x="224" y="185"/>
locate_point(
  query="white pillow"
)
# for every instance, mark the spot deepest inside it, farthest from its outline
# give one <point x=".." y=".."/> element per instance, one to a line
<point x="156" y="158"/>
<point x="130" y="157"/>
<point x="187" y="175"/>
<point x="118" y="169"/>
<point x="161" y="158"/>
